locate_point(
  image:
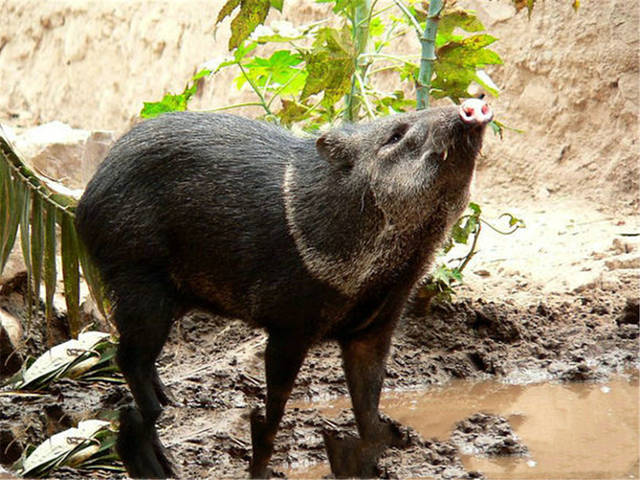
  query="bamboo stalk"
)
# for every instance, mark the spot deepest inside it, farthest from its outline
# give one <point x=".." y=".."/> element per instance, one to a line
<point x="428" y="54"/>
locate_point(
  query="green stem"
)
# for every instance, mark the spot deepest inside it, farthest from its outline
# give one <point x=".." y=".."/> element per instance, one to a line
<point x="281" y="89"/>
<point x="388" y="57"/>
<point x="366" y="103"/>
<point x="231" y="107"/>
<point x="255" y="88"/>
<point x="428" y="57"/>
<point x="360" y="35"/>
<point x="472" y="250"/>
<point x="407" y="13"/>
<point x="501" y="232"/>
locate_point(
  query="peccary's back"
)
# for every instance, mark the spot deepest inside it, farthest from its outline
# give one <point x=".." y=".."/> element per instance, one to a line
<point x="201" y="197"/>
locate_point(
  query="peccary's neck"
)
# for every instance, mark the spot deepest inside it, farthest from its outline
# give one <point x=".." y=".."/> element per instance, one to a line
<point x="341" y="235"/>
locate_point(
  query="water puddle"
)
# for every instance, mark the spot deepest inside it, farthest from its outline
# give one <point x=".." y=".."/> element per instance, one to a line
<point x="581" y="430"/>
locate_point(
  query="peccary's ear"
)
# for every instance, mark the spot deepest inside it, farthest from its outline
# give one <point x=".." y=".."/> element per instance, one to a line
<point x="336" y="148"/>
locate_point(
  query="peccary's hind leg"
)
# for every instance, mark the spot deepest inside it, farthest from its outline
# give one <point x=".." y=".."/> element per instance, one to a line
<point x="363" y="361"/>
<point x="283" y="357"/>
<point x="145" y="307"/>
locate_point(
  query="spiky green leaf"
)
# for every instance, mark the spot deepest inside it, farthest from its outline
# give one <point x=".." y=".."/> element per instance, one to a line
<point x="37" y="244"/>
<point x="49" y="263"/>
<point x="15" y="210"/>
<point x="92" y="277"/>
<point x="25" y="228"/>
<point x="70" y="272"/>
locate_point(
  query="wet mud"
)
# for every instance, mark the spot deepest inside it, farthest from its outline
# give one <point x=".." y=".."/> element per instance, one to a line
<point x="213" y="367"/>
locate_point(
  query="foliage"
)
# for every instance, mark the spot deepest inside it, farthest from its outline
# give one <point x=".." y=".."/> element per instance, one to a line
<point x="36" y="207"/>
<point x="319" y="73"/>
<point x="446" y="276"/>
<point x="88" y="358"/>
<point x="529" y="4"/>
<point x="87" y="447"/>
<point x="171" y="102"/>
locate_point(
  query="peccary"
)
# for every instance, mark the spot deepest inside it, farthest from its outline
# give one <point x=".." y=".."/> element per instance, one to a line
<point x="311" y="239"/>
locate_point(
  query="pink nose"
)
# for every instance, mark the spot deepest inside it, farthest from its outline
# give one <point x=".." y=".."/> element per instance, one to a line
<point x="474" y="111"/>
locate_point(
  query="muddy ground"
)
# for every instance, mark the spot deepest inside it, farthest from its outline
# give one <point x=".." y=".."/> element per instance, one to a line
<point x="213" y="367"/>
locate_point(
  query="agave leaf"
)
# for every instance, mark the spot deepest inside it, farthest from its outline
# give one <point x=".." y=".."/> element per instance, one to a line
<point x="92" y="277"/>
<point x="15" y="210"/>
<point x="70" y="272"/>
<point x="5" y="200"/>
<point x="63" y="448"/>
<point x="49" y="264"/>
<point x="25" y="228"/>
<point x="37" y="244"/>
<point x="61" y="358"/>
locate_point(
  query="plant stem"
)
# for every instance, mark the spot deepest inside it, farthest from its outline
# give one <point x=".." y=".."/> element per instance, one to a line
<point x="428" y="57"/>
<point x="231" y="107"/>
<point x="255" y="88"/>
<point x="408" y="14"/>
<point x="366" y="103"/>
<point x="472" y="250"/>
<point x="360" y="35"/>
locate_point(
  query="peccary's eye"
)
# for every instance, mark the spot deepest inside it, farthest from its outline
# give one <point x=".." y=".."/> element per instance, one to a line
<point x="397" y="135"/>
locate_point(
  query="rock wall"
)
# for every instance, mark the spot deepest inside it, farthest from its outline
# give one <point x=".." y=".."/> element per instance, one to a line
<point x="570" y="81"/>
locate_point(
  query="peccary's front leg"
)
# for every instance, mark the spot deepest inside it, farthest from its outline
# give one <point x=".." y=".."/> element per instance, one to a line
<point x="363" y="360"/>
<point x="283" y="357"/>
<point x="364" y="355"/>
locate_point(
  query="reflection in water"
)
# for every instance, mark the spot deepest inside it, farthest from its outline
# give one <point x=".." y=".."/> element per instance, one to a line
<point x="580" y="430"/>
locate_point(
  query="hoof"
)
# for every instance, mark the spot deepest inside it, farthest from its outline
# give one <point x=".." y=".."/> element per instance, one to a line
<point x="139" y="447"/>
<point x="350" y="457"/>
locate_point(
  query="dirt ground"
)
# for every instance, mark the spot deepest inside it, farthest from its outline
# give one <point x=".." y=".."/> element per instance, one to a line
<point x="555" y="302"/>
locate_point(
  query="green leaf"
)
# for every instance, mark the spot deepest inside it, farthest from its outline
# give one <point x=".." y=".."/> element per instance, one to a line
<point x="92" y="277"/>
<point x="475" y="208"/>
<point x="277" y="73"/>
<point x="227" y="9"/>
<point x="70" y="272"/>
<point x="6" y="196"/>
<point x="37" y="244"/>
<point x="330" y="64"/>
<point x="252" y="13"/>
<point x="171" y="102"/>
<point x="458" y="18"/>
<point x="292" y="112"/>
<point x="458" y="63"/>
<point x="25" y="228"/>
<point x="343" y="5"/>
<point x="15" y="210"/>
<point x="277" y="4"/>
<point x="393" y="103"/>
<point x="376" y="27"/>
<point x="49" y="262"/>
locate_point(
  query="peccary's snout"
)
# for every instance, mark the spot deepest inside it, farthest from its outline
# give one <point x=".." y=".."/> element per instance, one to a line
<point x="475" y="111"/>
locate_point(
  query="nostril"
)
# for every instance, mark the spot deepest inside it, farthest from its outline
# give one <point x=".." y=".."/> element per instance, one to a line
<point x="475" y="112"/>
